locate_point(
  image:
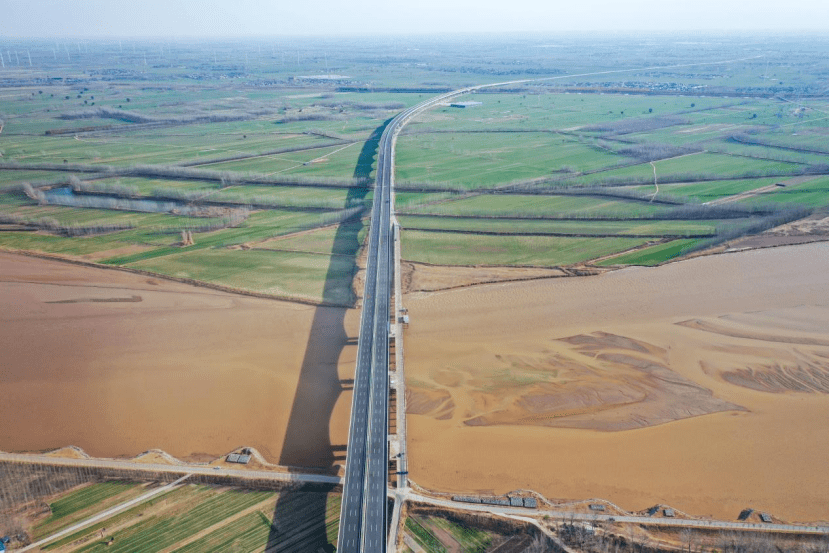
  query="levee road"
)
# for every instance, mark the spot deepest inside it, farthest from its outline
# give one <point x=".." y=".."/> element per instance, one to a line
<point x="182" y="469"/>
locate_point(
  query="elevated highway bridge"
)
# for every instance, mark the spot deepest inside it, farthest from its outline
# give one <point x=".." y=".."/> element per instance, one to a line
<point x="364" y="517"/>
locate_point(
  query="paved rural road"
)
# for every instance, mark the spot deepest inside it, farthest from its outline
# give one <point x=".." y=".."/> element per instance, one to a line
<point x="174" y="469"/>
<point x="591" y="518"/>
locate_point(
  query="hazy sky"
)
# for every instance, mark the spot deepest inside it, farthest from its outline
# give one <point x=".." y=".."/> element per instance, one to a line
<point x="88" y="18"/>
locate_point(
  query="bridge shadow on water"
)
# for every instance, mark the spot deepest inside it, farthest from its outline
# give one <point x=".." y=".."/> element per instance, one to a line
<point x="299" y="521"/>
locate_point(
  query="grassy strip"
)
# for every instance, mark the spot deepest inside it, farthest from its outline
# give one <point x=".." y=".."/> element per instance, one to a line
<point x="543" y="251"/>
<point x="295" y="197"/>
<point x="332" y="517"/>
<point x="653" y="255"/>
<point x="637" y="228"/>
<point x="344" y="239"/>
<point x="315" y="277"/>
<point x="282" y="198"/>
<point x="259" y="226"/>
<point x="804" y="144"/>
<point x="814" y="193"/>
<point x="534" y="205"/>
<point x="51" y="225"/>
<point x="707" y="191"/>
<point x="10" y="180"/>
<point x="86" y="216"/>
<point x="64" y="245"/>
<point x="692" y="168"/>
<point x="285" y="150"/>
<point x="476" y="161"/>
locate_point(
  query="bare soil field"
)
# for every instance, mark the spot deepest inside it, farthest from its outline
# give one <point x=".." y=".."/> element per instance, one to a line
<point x="814" y="228"/>
<point x="702" y="384"/>
<point x="421" y="277"/>
<point x="119" y="363"/>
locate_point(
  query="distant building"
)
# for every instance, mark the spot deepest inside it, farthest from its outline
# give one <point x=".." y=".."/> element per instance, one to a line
<point x="465" y="104"/>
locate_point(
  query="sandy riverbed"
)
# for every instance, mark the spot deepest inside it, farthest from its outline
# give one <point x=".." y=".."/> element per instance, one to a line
<point x="702" y="384"/>
<point x="118" y="363"/>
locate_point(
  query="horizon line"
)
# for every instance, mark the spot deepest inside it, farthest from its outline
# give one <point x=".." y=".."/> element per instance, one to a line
<point x="424" y="34"/>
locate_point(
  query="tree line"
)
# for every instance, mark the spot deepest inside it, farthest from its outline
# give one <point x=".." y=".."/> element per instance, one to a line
<point x="227" y="178"/>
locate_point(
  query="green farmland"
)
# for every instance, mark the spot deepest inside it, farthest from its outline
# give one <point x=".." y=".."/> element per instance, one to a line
<point x="283" y="274"/>
<point x="278" y="174"/>
<point x="550" y="206"/>
<point x="544" y="251"/>
<point x="247" y="165"/>
<point x="652" y="255"/>
<point x="812" y="193"/>
<point x="438" y="535"/>
<point x="209" y="518"/>
<point x="653" y="229"/>
<point x="294" y="137"/>
<point x="482" y="161"/>
<point x="83" y="503"/>
<point x="711" y="190"/>
<point x="197" y="518"/>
